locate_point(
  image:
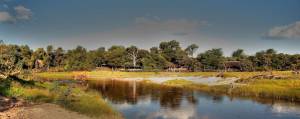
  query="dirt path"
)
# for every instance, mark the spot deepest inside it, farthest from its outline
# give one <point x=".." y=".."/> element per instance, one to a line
<point x="41" y="111"/>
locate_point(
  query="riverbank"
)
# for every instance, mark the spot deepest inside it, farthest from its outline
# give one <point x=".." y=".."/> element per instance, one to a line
<point x="70" y="96"/>
<point x="41" y="111"/>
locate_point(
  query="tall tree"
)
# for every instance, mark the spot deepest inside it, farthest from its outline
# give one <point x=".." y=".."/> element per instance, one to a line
<point x="59" y="57"/>
<point x="154" y="61"/>
<point x="239" y="54"/>
<point x="212" y="59"/>
<point x="264" y="59"/>
<point x="98" y="56"/>
<point x="169" y="50"/>
<point x="154" y="50"/>
<point x="11" y="61"/>
<point x="133" y="51"/>
<point x="26" y="53"/>
<point x="116" y="56"/>
<point x="294" y="62"/>
<point x="77" y="59"/>
<point x="191" y="49"/>
<point x="173" y="53"/>
<point x="49" y="57"/>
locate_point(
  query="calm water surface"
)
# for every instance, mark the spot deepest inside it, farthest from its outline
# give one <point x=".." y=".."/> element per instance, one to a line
<point x="146" y="101"/>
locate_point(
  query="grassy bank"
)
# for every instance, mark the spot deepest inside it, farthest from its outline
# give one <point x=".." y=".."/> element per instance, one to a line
<point x="116" y="74"/>
<point x="275" y="89"/>
<point x="288" y="90"/>
<point x="70" y="97"/>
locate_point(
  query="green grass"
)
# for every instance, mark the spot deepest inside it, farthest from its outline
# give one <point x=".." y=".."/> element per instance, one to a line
<point x="274" y="89"/>
<point x="247" y="75"/>
<point x="177" y="82"/>
<point x="288" y="90"/>
<point x="90" y="103"/>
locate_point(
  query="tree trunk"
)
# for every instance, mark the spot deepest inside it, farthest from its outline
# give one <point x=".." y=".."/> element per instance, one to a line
<point x="134" y="61"/>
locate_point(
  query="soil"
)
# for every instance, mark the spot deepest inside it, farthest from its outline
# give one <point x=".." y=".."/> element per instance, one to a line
<point x="19" y="110"/>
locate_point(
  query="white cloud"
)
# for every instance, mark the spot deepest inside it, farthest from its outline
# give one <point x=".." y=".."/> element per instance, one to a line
<point x="185" y="112"/>
<point x="6" y="17"/>
<point x="291" y="31"/>
<point x="22" y="13"/>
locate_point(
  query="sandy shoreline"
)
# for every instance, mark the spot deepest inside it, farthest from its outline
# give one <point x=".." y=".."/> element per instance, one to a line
<point x="40" y="111"/>
<point x="19" y="109"/>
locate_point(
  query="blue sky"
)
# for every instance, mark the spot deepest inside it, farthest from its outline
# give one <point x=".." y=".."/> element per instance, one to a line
<point x="253" y="25"/>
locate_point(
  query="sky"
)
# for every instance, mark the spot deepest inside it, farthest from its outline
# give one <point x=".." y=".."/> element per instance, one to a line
<point x="252" y="25"/>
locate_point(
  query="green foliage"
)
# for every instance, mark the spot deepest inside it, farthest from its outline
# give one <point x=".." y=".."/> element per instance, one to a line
<point x="239" y="54"/>
<point x="191" y="49"/>
<point x="212" y="59"/>
<point x="5" y="87"/>
<point x="16" y="59"/>
<point x="154" y="62"/>
<point x="11" y="60"/>
<point x="97" y="57"/>
<point x="116" y="56"/>
<point x="169" y="50"/>
<point x="132" y="54"/>
<point x="78" y="59"/>
<point x="59" y="57"/>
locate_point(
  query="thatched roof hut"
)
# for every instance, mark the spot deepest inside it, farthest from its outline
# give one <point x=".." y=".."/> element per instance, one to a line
<point x="233" y="66"/>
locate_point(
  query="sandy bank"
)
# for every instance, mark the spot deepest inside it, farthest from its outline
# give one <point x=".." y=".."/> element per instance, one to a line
<point x="41" y="111"/>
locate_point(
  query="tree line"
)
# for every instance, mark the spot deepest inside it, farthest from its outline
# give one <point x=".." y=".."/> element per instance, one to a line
<point x="168" y="55"/>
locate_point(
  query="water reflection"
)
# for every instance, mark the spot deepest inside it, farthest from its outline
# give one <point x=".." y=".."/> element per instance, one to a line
<point x="189" y="112"/>
<point x="119" y="92"/>
<point x="147" y="101"/>
<point x="285" y="108"/>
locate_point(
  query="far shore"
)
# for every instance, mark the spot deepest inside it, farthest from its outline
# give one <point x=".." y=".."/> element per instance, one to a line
<point x="146" y="75"/>
<point x="119" y="74"/>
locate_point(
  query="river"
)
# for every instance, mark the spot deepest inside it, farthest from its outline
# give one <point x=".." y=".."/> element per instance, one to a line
<point x="137" y="100"/>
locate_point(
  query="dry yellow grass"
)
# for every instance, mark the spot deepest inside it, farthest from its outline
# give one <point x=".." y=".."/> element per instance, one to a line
<point x="116" y="74"/>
